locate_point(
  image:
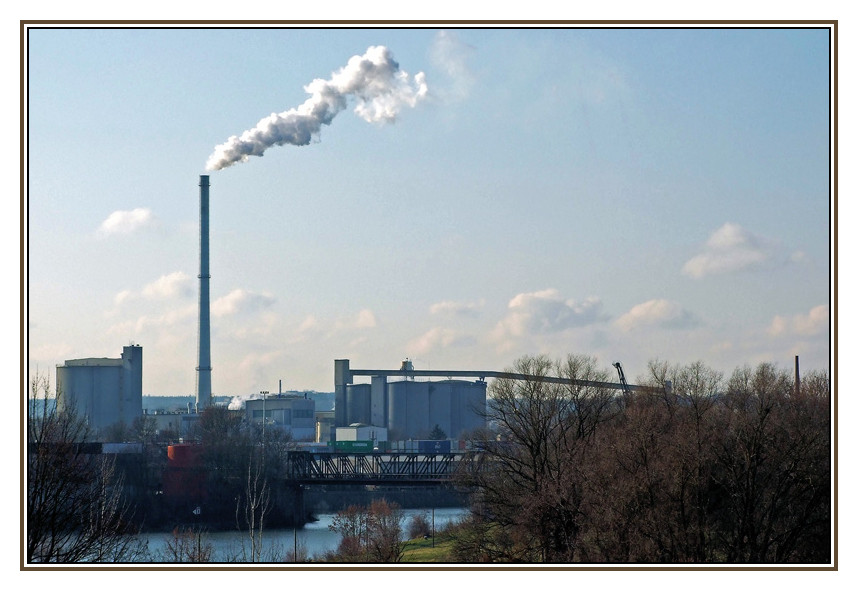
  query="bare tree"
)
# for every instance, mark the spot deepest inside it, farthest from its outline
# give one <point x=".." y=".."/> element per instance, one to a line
<point x="255" y="504"/>
<point x="533" y="480"/>
<point x="75" y="509"/>
<point x="708" y="470"/>
<point x="188" y="545"/>
<point x="774" y="469"/>
<point x="372" y="534"/>
<point x="384" y="531"/>
<point x="351" y="524"/>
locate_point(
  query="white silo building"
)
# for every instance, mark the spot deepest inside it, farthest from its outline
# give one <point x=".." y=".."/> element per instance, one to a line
<point x="103" y="391"/>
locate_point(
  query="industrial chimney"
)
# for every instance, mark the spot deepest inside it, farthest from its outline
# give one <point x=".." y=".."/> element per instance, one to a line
<point x="204" y="361"/>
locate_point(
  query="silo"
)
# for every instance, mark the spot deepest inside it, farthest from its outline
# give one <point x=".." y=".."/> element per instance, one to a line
<point x="397" y="409"/>
<point x="408" y="409"/>
<point x="418" y="410"/>
<point x="440" y="406"/>
<point x="358" y="403"/>
<point x="472" y="405"/>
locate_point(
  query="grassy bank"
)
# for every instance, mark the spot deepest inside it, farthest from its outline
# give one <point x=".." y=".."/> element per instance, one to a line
<point x="420" y="550"/>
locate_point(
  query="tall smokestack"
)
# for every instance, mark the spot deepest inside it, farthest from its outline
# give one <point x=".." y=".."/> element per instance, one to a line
<point x="797" y="378"/>
<point x="204" y="361"/>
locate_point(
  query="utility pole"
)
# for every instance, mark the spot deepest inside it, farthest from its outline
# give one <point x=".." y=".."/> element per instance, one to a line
<point x="264" y="393"/>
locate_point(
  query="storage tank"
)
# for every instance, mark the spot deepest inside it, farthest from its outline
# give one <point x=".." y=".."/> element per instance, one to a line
<point x="408" y="409"/>
<point x="441" y="406"/>
<point x="472" y="406"/>
<point x="184" y="476"/>
<point x="358" y="403"/>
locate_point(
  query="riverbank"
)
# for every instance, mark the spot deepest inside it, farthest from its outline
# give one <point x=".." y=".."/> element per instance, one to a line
<point x="280" y="545"/>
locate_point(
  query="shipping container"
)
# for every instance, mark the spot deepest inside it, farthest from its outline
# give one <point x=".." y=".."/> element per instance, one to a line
<point x="433" y="447"/>
<point x="352" y="446"/>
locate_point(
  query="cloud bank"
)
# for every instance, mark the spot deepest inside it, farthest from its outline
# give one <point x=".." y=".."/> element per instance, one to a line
<point x="729" y="249"/>
<point x="657" y="314"/>
<point x="813" y="323"/>
<point x="545" y="312"/>
<point x="125" y="222"/>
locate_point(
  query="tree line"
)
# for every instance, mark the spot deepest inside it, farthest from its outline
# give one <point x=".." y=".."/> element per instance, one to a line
<point x="697" y="469"/>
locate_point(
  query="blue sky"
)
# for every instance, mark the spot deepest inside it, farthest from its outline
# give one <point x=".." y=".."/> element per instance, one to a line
<point x="632" y="194"/>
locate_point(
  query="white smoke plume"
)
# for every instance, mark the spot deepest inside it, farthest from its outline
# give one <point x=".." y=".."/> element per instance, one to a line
<point x="373" y="79"/>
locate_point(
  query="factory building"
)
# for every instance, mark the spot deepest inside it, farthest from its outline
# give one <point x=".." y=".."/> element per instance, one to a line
<point x="103" y="391"/>
<point x="296" y="414"/>
<point x="407" y="407"/>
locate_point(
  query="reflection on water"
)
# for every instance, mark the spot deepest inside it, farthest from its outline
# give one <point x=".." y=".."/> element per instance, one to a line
<point x="312" y="540"/>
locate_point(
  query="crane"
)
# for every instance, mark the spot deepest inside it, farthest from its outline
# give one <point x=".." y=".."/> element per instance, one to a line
<point x="623" y="381"/>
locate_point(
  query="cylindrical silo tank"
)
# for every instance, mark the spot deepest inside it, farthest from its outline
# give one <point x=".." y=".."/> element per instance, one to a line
<point x="418" y="410"/>
<point x="358" y="399"/>
<point x="397" y="410"/>
<point x="440" y="406"/>
<point x="474" y="416"/>
<point x="408" y="410"/>
<point x="473" y="406"/>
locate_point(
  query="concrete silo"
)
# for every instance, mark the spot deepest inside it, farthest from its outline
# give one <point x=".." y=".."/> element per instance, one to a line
<point x="358" y="404"/>
<point x="408" y="409"/>
<point x="103" y="391"/>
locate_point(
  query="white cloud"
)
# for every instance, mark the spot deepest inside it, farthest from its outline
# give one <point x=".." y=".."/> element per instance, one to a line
<point x="176" y="284"/>
<point x="149" y="326"/>
<point x="813" y="323"/>
<point x="309" y="324"/>
<point x="439" y="338"/>
<point x="239" y="301"/>
<point x="122" y="296"/>
<point x="470" y="309"/>
<point x="365" y="319"/>
<point x="656" y="313"/>
<point x="730" y="248"/>
<point x="544" y="312"/>
<point x="126" y="222"/>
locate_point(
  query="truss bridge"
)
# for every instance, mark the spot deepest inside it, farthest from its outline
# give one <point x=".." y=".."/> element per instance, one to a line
<point x="376" y="467"/>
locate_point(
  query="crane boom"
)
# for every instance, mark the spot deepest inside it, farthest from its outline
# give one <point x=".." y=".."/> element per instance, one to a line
<point x="623" y="381"/>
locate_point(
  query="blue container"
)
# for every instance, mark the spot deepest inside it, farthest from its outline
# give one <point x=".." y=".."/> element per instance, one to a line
<point x="433" y="447"/>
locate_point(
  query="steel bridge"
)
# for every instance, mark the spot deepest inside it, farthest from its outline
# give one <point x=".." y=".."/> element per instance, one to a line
<point x="305" y="467"/>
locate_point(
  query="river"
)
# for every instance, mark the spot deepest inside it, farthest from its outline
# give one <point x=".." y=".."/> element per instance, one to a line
<point x="312" y="540"/>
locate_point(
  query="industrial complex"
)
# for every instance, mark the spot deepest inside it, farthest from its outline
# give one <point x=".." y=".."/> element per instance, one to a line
<point x="395" y="405"/>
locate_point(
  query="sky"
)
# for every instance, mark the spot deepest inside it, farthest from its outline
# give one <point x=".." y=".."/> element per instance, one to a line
<point x="461" y="197"/>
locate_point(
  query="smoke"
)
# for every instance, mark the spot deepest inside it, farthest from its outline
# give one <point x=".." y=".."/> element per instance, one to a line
<point x="237" y="402"/>
<point x="373" y="79"/>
